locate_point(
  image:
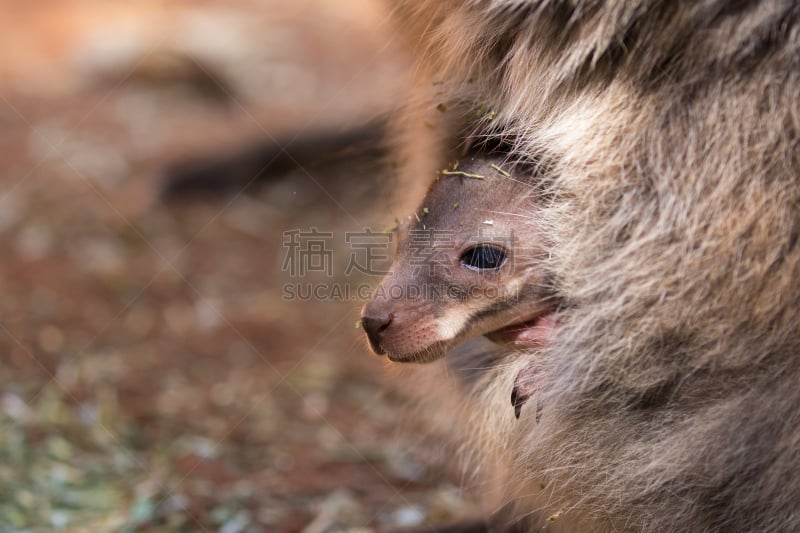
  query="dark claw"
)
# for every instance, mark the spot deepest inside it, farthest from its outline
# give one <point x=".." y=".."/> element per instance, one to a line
<point x="518" y="399"/>
<point x="526" y="385"/>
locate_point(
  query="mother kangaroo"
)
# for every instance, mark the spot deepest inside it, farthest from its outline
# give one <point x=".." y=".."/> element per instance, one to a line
<point x="665" y="138"/>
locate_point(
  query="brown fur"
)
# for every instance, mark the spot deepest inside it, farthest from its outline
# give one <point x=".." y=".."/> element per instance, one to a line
<point x="669" y="131"/>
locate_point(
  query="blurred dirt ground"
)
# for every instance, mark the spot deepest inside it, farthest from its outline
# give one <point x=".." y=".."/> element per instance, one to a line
<point x="153" y="377"/>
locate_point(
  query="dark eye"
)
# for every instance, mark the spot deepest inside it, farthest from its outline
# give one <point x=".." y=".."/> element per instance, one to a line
<point x="483" y="257"/>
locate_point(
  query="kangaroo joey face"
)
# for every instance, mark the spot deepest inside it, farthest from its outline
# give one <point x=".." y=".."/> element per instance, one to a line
<point x="471" y="261"/>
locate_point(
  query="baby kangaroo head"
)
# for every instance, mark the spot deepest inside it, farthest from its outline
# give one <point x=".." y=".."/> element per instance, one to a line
<point x="469" y="262"/>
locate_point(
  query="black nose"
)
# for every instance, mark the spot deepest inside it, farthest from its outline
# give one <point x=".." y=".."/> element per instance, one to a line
<point x="374" y="327"/>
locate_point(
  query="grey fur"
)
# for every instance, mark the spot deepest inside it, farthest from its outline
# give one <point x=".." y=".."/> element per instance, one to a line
<point x="669" y="131"/>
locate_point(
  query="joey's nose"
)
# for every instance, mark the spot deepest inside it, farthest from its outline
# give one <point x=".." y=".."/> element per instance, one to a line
<point x="374" y="327"/>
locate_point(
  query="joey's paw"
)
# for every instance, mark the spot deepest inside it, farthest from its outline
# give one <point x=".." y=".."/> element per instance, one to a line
<point x="519" y="397"/>
<point x="526" y="385"/>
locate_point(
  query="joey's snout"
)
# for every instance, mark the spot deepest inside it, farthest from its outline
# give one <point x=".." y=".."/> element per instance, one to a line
<point x="375" y="326"/>
<point x="404" y="330"/>
<point x="401" y="328"/>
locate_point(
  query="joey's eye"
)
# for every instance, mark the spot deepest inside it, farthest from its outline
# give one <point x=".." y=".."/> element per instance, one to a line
<point x="483" y="257"/>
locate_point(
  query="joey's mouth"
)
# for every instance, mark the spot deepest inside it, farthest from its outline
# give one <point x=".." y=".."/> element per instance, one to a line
<point x="533" y="332"/>
<point x="427" y="355"/>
